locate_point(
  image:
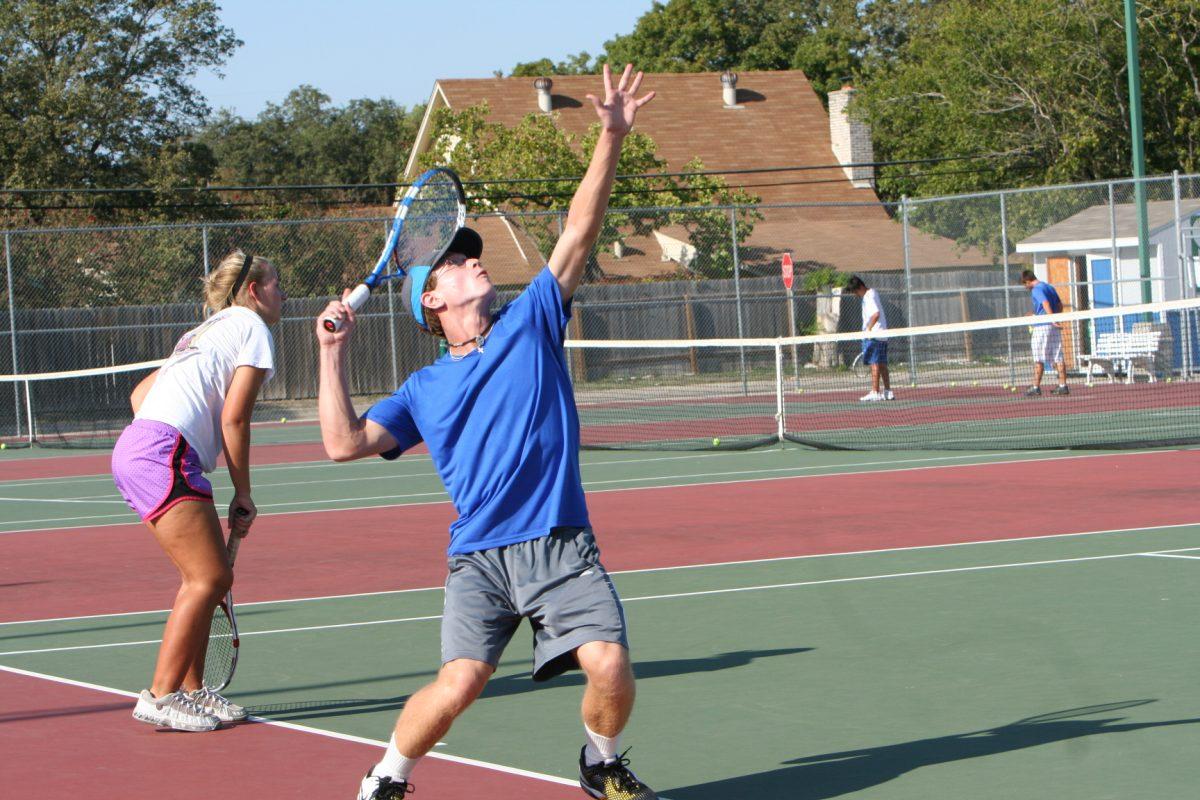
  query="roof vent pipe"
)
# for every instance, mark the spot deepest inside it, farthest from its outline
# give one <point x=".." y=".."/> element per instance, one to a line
<point x="543" y="92"/>
<point x="729" y="88"/>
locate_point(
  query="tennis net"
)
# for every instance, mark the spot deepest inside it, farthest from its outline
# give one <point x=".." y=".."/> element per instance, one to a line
<point x="1133" y="375"/>
<point x="1133" y="380"/>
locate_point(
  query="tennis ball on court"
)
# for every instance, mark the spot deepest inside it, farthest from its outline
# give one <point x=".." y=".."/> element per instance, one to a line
<point x="952" y="383"/>
<point x="974" y="383"/>
<point x="1012" y="388"/>
<point x="3" y="446"/>
<point x="716" y="441"/>
<point x="912" y="385"/>
<point x="283" y="419"/>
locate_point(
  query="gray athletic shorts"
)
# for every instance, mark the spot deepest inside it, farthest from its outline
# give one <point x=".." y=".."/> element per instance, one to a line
<point x="556" y="581"/>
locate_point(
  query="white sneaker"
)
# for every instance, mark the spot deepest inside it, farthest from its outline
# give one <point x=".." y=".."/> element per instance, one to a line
<point x="175" y="710"/>
<point x="382" y="787"/>
<point x="888" y="394"/>
<point x="871" y="397"/>
<point x="218" y="706"/>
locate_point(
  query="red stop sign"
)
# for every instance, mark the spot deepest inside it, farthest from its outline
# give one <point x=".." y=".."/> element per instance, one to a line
<point x="788" y="272"/>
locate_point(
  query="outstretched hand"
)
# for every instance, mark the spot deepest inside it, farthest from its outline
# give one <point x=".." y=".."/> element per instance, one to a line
<point x="621" y="104"/>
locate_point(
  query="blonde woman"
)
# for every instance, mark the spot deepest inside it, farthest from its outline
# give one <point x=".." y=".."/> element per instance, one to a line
<point x="185" y="413"/>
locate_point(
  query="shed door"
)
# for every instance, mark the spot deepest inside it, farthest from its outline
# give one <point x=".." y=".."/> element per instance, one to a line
<point x="1062" y="273"/>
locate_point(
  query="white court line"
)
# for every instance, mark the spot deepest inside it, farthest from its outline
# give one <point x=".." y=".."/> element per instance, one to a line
<point x="428" y="475"/>
<point x="586" y="484"/>
<point x="1168" y="554"/>
<point x="345" y="737"/>
<point x="735" y="590"/>
<point x="877" y="551"/>
<point x="410" y="459"/>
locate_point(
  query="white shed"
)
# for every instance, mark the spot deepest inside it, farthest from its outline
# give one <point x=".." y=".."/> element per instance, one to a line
<point x="1077" y="254"/>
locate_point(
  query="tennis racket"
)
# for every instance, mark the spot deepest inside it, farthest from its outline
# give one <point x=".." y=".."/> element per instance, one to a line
<point x="221" y="658"/>
<point x="857" y="366"/>
<point x="427" y="217"/>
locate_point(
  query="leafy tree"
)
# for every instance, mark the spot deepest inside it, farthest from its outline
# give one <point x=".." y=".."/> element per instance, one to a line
<point x="578" y="64"/>
<point x="824" y="38"/>
<point x="538" y="151"/>
<point x="92" y="92"/>
<point x="1041" y="81"/>
<point x="304" y="141"/>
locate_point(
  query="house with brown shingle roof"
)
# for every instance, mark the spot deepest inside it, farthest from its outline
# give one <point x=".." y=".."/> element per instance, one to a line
<point x="751" y="121"/>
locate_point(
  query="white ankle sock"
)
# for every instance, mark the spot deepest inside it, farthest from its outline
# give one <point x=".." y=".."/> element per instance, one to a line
<point x="394" y="765"/>
<point x="600" y="748"/>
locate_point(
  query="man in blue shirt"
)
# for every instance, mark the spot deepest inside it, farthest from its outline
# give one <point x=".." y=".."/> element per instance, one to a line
<point x="1046" y="340"/>
<point x="498" y="415"/>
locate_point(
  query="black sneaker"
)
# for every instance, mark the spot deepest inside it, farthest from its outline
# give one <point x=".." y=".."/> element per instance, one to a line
<point x="612" y="780"/>
<point x="1061" y="390"/>
<point x="1033" y="391"/>
<point x="375" y="787"/>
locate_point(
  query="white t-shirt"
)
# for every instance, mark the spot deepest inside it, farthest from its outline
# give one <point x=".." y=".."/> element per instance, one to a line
<point x="189" y="393"/>
<point x="871" y="304"/>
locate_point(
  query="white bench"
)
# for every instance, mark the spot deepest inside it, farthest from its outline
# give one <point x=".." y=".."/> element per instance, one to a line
<point x="1124" y="351"/>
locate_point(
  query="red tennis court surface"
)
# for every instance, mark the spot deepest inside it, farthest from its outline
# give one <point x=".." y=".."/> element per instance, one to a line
<point x="321" y="553"/>
<point x="61" y="740"/>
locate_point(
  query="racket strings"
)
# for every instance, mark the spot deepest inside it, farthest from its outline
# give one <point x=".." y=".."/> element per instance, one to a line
<point x="434" y="216"/>
<point x="221" y="655"/>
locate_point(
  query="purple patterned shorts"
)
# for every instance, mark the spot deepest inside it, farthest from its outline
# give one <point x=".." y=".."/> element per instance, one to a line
<point x="155" y="468"/>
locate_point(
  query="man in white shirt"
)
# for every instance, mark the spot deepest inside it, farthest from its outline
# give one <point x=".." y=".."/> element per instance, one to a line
<point x="874" y="351"/>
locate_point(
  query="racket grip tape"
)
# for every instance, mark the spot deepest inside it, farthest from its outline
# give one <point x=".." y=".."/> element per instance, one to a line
<point x="235" y="541"/>
<point x="356" y="300"/>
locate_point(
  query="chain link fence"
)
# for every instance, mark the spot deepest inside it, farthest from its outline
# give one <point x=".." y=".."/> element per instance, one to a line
<point x="83" y="298"/>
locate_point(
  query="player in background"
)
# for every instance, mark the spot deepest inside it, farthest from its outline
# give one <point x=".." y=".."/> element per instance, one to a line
<point x="875" y="351"/>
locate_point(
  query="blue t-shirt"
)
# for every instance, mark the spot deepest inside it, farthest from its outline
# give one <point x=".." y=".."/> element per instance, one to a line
<point x="501" y="426"/>
<point x="1044" y="292"/>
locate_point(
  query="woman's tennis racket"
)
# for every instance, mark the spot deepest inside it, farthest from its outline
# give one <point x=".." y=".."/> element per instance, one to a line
<point x="221" y="658"/>
<point x="427" y="217"/>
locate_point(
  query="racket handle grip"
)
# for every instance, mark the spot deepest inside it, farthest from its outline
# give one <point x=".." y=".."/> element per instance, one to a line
<point x="235" y="542"/>
<point x="356" y="300"/>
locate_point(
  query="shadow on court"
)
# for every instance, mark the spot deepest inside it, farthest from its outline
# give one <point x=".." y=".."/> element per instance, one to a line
<point x="836" y="774"/>
<point x="508" y="685"/>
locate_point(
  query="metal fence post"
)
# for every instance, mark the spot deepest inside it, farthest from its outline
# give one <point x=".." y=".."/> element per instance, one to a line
<point x="1115" y="271"/>
<point x="1185" y="332"/>
<point x="392" y="333"/>
<point x="908" y="291"/>
<point x="12" y="329"/>
<point x="737" y="293"/>
<point x="1012" y="368"/>
<point x="204" y="242"/>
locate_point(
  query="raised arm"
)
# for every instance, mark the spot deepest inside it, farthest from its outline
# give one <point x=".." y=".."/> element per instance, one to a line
<point x="345" y="435"/>
<point x="590" y="202"/>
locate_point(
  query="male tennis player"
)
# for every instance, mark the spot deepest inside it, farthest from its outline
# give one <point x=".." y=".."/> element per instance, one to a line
<point x="1046" y="341"/>
<point x="874" y="351"/>
<point x="498" y="415"/>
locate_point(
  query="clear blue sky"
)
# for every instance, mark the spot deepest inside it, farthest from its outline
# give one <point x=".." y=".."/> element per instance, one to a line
<point x="353" y="49"/>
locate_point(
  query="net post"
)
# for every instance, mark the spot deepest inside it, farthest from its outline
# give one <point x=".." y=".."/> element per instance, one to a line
<point x="1012" y="367"/>
<point x="908" y="290"/>
<point x="779" y="422"/>
<point x="29" y="412"/>
<point x="737" y="293"/>
<point x="1185" y="349"/>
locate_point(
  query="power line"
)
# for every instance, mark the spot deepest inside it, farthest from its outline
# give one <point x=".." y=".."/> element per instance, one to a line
<point x="498" y="181"/>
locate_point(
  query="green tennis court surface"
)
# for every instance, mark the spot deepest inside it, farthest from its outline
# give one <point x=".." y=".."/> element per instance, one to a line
<point x="1056" y="667"/>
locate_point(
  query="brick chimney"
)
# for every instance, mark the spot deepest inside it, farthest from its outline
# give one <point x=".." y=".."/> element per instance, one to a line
<point x="851" y="139"/>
